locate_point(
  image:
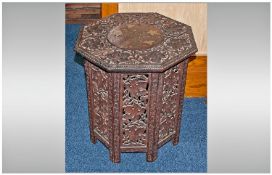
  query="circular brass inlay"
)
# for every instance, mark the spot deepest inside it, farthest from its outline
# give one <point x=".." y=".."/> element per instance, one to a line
<point x="135" y="36"/>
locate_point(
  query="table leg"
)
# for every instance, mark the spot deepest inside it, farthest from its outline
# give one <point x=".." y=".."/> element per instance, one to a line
<point x="115" y="153"/>
<point x="182" y="80"/>
<point x="156" y="86"/>
<point x="93" y="138"/>
<point x="88" y="74"/>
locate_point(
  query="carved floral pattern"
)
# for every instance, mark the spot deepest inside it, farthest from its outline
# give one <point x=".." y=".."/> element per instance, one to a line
<point x="134" y="112"/>
<point x="169" y="103"/>
<point x="101" y="108"/>
<point x="176" y="44"/>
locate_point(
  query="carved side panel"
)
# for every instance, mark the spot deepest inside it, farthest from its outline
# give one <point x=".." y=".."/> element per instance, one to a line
<point x="134" y="110"/>
<point x="170" y="100"/>
<point x="101" y="101"/>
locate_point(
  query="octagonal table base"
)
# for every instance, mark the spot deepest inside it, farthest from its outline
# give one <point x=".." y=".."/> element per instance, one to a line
<point x="135" y="112"/>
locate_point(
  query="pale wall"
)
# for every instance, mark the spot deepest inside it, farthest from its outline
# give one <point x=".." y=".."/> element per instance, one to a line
<point x="193" y="14"/>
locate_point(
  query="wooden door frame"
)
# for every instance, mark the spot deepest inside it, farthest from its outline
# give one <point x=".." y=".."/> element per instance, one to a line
<point x="108" y="9"/>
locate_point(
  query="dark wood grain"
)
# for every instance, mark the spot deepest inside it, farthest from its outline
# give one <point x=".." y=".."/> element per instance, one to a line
<point x="133" y="109"/>
<point x="82" y="13"/>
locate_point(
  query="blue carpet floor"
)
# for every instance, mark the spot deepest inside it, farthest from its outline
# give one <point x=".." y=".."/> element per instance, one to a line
<point x="190" y="155"/>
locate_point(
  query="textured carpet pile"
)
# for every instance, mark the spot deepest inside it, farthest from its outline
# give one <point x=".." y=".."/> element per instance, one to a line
<point x="190" y="155"/>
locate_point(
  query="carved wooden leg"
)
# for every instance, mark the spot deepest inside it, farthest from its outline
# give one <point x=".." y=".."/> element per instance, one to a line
<point x="115" y="153"/>
<point x="151" y="157"/>
<point x="156" y="83"/>
<point x="182" y="80"/>
<point x="88" y="74"/>
<point x="115" y="156"/>
<point x="93" y="138"/>
<point x="176" y="135"/>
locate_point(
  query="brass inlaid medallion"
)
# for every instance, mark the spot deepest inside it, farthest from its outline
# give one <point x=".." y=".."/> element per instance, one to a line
<point x="135" y="36"/>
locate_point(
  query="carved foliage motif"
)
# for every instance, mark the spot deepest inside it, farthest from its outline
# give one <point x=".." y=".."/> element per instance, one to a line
<point x="102" y="110"/>
<point x="169" y="103"/>
<point x="134" y="110"/>
<point x="177" y="41"/>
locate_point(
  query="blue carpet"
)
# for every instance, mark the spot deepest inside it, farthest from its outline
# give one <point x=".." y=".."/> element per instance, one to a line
<point x="190" y="155"/>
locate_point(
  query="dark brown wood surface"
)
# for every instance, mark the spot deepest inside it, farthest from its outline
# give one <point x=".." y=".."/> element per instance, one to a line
<point x="82" y="13"/>
<point x="135" y="112"/>
<point x="135" y="91"/>
<point x="196" y="82"/>
<point x="97" y="43"/>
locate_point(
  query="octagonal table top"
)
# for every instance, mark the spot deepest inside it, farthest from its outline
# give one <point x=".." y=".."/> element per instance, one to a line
<point x="136" y="42"/>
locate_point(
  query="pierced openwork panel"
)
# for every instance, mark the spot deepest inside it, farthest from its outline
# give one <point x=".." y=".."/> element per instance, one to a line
<point x="100" y="81"/>
<point x="134" y="109"/>
<point x="170" y="102"/>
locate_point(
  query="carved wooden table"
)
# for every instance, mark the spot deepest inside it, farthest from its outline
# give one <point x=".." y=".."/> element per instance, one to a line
<point x="135" y="66"/>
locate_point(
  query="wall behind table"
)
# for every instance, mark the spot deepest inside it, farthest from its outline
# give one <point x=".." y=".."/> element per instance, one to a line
<point x="193" y="14"/>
